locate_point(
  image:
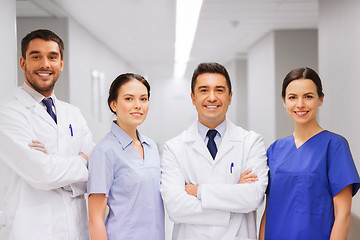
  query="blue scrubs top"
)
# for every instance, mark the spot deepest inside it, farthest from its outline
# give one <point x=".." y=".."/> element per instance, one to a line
<point x="302" y="184"/>
<point x="131" y="184"/>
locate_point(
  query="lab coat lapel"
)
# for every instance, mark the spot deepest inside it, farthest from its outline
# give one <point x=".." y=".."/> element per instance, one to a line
<point x="197" y="143"/>
<point x="230" y="139"/>
<point x="34" y="107"/>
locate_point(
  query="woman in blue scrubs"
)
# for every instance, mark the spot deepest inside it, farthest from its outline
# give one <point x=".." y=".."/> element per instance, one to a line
<point x="312" y="174"/>
<point x="124" y="170"/>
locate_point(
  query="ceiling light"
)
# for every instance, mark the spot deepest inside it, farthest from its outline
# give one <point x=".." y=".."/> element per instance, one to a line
<point x="187" y="16"/>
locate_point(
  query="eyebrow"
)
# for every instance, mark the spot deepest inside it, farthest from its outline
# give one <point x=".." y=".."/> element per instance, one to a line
<point x="308" y="93"/>
<point x="37" y="52"/>
<point x="132" y="95"/>
<point x="208" y="87"/>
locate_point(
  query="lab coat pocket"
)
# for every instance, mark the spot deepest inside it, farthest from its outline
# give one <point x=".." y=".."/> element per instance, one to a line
<point x="311" y="196"/>
<point x="33" y="222"/>
<point x="233" y="174"/>
<point x="74" y="134"/>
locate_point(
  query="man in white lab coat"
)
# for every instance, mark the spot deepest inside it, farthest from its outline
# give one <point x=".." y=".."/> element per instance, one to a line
<point x="213" y="181"/>
<point x="44" y="144"/>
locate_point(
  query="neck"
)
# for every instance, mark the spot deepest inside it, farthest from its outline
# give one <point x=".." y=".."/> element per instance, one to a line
<point x="210" y="124"/>
<point x="46" y="94"/>
<point x="130" y="130"/>
<point x="305" y="131"/>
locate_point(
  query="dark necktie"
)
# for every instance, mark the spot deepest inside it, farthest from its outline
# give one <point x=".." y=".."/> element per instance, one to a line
<point x="48" y="103"/>
<point x="211" y="143"/>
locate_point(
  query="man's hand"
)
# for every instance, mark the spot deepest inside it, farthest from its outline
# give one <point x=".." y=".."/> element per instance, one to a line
<point x="247" y="177"/>
<point x="36" y="145"/>
<point x="191" y="189"/>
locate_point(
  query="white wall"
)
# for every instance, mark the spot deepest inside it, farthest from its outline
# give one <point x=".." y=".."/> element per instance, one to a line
<point x="87" y="53"/>
<point x="261" y="88"/>
<point x="339" y="58"/>
<point x="238" y="74"/>
<point x="8" y="60"/>
<point x="171" y="110"/>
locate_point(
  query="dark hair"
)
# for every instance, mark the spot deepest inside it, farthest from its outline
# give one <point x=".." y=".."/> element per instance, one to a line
<point x="302" y="73"/>
<point x="121" y="80"/>
<point x="210" y="67"/>
<point x="43" y="34"/>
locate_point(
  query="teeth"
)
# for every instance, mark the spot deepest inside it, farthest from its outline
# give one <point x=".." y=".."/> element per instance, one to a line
<point x="44" y="74"/>
<point x="301" y="113"/>
<point x="211" y="106"/>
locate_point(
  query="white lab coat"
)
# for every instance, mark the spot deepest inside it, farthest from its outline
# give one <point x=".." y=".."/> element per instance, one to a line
<point x="227" y="210"/>
<point x="42" y="195"/>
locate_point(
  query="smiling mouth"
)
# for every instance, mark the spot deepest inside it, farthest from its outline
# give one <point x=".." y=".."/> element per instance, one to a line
<point x="301" y="114"/>
<point x="44" y="74"/>
<point x="212" y="106"/>
<point x="136" y="114"/>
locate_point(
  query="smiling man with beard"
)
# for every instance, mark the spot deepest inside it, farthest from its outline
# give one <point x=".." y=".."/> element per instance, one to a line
<point x="44" y="144"/>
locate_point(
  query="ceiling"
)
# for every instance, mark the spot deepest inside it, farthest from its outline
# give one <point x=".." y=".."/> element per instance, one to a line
<point x="143" y="31"/>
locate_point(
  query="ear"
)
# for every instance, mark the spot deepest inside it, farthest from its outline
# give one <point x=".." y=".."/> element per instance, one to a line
<point x="193" y="99"/>
<point x="113" y="105"/>
<point x="22" y="63"/>
<point x="230" y="97"/>
<point x="61" y="65"/>
<point x="321" y="100"/>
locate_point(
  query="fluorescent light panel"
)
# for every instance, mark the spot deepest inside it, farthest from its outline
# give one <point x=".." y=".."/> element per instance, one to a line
<point x="187" y="16"/>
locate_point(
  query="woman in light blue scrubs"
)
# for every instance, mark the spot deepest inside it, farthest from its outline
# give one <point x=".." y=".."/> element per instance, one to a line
<point x="124" y="170"/>
<point x="312" y="174"/>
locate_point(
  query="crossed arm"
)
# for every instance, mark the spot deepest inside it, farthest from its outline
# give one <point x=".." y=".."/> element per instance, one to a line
<point x="245" y="177"/>
<point x="218" y="201"/>
<point x="36" y="145"/>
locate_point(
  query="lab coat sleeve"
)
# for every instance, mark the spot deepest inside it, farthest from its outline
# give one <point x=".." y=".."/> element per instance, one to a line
<point x="41" y="171"/>
<point x="241" y="198"/>
<point x="86" y="147"/>
<point x="181" y="207"/>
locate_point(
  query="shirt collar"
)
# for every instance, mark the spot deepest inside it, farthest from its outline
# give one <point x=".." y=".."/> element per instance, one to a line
<point x="38" y="97"/>
<point x="202" y="129"/>
<point x="124" y="139"/>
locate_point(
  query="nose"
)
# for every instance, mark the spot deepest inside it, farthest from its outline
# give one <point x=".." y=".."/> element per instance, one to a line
<point x="45" y="63"/>
<point x="137" y="104"/>
<point x="300" y="103"/>
<point x="211" y="97"/>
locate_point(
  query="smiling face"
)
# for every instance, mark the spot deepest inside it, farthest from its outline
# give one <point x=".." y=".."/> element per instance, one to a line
<point x="302" y="101"/>
<point x="42" y="65"/>
<point x="131" y="105"/>
<point x="211" y="98"/>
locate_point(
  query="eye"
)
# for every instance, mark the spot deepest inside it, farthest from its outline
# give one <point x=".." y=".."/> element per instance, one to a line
<point x="35" y="57"/>
<point x="309" y="96"/>
<point x="291" y="97"/>
<point x="203" y="90"/>
<point x="220" y="90"/>
<point x="53" y="57"/>
<point x="144" y="99"/>
<point x="128" y="99"/>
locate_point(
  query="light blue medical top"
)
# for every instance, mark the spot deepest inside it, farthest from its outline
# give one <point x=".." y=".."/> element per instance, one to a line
<point x="131" y="184"/>
<point x="221" y="129"/>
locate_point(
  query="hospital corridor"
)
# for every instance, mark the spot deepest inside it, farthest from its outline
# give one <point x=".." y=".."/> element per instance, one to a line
<point x="163" y="42"/>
